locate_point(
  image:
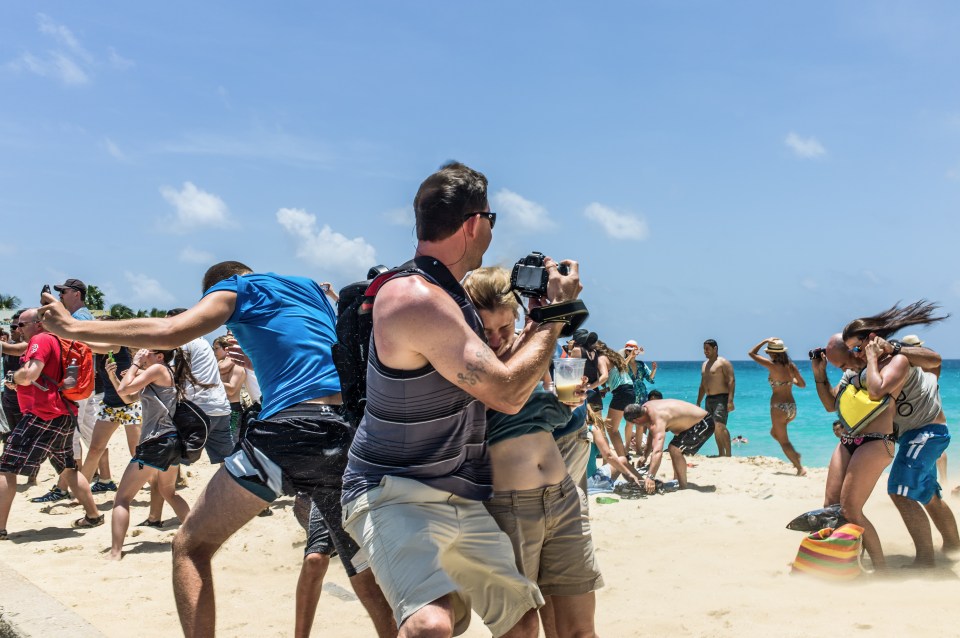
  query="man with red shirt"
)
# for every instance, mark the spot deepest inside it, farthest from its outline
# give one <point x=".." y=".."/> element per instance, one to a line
<point x="46" y="427"/>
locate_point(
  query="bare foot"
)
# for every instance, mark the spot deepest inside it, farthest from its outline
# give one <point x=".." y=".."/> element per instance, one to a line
<point x="115" y="555"/>
<point x="802" y="472"/>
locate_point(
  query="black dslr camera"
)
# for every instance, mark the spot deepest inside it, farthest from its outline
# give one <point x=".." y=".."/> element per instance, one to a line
<point x="817" y="353"/>
<point x="529" y="277"/>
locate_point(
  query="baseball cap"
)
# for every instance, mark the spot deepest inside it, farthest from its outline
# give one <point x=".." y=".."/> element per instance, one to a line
<point x="76" y="284"/>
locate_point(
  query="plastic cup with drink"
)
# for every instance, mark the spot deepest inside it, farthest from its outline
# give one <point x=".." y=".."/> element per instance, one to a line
<point x="567" y="375"/>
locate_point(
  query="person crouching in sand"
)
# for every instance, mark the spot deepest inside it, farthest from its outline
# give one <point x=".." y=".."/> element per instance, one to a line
<point x="691" y="427"/>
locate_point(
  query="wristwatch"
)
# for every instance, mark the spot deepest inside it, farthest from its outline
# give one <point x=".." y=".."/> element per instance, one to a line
<point x="896" y="348"/>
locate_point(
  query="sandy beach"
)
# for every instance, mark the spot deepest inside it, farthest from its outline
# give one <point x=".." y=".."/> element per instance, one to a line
<point x="708" y="561"/>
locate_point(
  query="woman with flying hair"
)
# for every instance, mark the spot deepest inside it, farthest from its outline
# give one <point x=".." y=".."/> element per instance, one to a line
<point x="530" y="480"/>
<point x="916" y="415"/>
<point x="783" y="375"/>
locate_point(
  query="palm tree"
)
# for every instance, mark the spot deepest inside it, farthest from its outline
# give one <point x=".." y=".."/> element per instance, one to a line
<point x="94" y="298"/>
<point x="119" y="311"/>
<point x="9" y="302"/>
<point x="156" y="312"/>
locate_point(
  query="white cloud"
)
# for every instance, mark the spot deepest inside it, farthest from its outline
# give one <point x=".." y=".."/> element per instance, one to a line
<point x="117" y="61"/>
<point x="62" y="35"/>
<point x="69" y="62"/>
<point x="275" y="146"/>
<point x="324" y="247"/>
<point x="400" y="216"/>
<point x="57" y="66"/>
<point x="114" y="150"/>
<point x="147" y="290"/>
<point x="871" y="276"/>
<point x="195" y="208"/>
<point x="520" y="211"/>
<point x="805" y="147"/>
<point x="809" y="283"/>
<point x="193" y="255"/>
<point x="616" y="224"/>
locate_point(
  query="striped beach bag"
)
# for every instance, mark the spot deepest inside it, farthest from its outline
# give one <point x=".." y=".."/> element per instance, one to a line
<point x="833" y="554"/>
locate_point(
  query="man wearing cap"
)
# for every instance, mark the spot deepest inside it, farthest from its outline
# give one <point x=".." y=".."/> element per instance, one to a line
<point x="45" y="429"/>
<point x="73" y="294"/>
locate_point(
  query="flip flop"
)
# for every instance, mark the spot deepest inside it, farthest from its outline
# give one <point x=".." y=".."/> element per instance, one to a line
<point x="87" y="522"/>
<point x="149" y="523"/>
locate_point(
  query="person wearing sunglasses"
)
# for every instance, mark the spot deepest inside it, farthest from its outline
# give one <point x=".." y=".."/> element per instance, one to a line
<point x="73" y="294"/>
<point x="918" y="419"/>
<point x="419" y="470"/>
<point x="298" y="442"/>
<point x="46" y="428"/>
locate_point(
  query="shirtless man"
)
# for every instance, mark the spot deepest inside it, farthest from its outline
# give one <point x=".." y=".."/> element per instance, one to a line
<point x="233" y="377"/>
<point x="690" y="424"/>
<point x="718" y="385"/>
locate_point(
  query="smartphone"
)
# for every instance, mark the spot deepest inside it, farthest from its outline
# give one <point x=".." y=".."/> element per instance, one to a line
<point x="45" y="289"/>
<point x="325" y="287"/>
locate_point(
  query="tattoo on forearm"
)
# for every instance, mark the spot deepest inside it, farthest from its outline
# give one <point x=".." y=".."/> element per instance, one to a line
<point x="474" y="370"/>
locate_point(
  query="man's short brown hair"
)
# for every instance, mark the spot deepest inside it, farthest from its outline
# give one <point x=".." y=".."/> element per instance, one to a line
<point x="224" y="270"/>
<point x="445" y="198"/>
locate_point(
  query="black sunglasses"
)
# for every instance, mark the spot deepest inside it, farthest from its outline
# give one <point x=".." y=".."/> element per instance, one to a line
<point x="491" y="216"/>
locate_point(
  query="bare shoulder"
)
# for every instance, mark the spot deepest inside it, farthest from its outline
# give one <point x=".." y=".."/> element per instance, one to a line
<point x="410" y="297"/>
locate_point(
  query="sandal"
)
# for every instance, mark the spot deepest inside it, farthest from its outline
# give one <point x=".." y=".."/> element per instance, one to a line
<point x="88" y="523"/>
<point x="3" y="535"/>
<point x="149" y="523"/>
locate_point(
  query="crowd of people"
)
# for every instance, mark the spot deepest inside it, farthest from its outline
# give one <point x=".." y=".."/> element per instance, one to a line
<point x="462" y="483"/>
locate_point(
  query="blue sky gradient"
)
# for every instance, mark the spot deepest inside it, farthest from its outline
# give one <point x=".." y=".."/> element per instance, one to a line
<point x="727" y="170"/>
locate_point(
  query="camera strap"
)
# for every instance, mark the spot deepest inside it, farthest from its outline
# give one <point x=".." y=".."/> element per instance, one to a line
<point x="572" y="313"/>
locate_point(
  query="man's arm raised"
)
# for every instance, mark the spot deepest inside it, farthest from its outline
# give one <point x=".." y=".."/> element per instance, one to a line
<point x="210" y="313"/>
<point x="416" y="323"/>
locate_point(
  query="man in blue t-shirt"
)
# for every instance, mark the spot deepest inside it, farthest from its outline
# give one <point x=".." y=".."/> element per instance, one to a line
<point x="297" y="443"/>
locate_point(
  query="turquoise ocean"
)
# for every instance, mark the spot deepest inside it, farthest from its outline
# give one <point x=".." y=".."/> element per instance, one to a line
<point x="811" y="432"/>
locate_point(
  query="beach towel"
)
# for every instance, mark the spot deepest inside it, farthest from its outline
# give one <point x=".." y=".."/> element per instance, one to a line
<point x="832" y="554"/>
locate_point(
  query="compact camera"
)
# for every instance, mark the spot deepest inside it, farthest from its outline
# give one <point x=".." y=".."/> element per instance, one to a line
<point x="529" y="277"/>
<point x="817" y="353"/>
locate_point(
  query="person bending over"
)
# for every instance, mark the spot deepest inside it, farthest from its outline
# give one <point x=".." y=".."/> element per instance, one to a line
<point x="691" y="427"/>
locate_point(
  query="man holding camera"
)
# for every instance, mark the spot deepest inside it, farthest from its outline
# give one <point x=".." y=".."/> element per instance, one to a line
<point x="418" y="469"/>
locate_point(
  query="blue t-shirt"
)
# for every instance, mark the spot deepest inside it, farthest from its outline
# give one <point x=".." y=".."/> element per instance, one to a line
<point x="82" y="314"/>
<point x="287" y="328"/>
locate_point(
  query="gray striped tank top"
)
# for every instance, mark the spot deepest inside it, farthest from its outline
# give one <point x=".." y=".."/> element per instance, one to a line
<point x="418" y="425"/>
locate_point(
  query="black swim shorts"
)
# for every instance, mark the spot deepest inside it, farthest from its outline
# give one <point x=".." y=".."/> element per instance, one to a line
<point x="716" y="405"/>
<point x="622" y="397"/>
<point x="159" y="453"/>
<point x="692" y="439"/>
<point x="300" y="449"/>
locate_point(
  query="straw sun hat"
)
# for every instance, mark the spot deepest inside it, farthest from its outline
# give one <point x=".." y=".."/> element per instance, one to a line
<point x="911" y="340"/>
<point x="776" y="347"/>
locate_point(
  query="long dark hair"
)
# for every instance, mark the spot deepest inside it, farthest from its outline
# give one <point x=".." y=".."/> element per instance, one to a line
<point x="893" y="319"/>
<point x="780" y="358"/>
<point x="181" y="369"/>
<point x="618" y="362"/>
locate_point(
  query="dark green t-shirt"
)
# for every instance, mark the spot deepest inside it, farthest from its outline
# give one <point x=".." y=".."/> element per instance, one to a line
<point x="543" y="411"/>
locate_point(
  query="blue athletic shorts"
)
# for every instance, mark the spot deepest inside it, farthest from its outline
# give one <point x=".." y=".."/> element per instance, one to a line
<point x="914" y="470"/>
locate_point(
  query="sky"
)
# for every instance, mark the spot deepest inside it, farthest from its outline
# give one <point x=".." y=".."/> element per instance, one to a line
<point x="726" y="170"/>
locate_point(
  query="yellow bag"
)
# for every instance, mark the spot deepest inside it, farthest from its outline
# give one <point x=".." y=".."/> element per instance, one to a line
<point x="857" y="409"/>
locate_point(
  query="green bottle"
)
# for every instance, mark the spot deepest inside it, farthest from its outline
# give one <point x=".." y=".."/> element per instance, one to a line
<point x="110" y="357"/>
<point x="606" y="500"/>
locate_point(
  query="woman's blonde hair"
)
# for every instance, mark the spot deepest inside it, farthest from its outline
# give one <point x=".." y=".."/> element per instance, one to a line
<point x="489" y="289"/>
